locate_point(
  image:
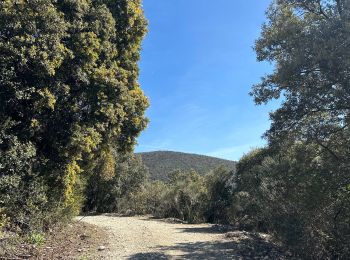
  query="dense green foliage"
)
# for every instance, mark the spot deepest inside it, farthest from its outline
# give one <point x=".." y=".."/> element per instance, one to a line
<point x="220" y="186"/>
<point x="299" y="186"/>
<point x="308" y="42"/>
<point x="187" y="196"/>
<point x="294" y="193"/>
<point x="183" y="198"/>
<point x="162" y="163"/>
<point x="110" y="194"/>
<point x="69" y="97"/>
<point x="71" y="108"/>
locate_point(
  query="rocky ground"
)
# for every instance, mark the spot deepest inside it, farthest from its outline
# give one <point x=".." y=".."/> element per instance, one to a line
<point x="147" y="238"/>
<point x="114" y="237"/>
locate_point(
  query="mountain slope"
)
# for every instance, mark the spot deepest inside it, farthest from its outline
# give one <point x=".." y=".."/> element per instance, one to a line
<point x="161" y="163"/>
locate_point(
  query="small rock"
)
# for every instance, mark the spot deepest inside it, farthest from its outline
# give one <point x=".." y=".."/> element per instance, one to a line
<point x="101" y="248"/>
<point x="80" y="250"/>
<point x="83" y="236"/>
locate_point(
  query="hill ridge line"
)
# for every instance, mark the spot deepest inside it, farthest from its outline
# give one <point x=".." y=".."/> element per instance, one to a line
<point x="162" y="163"/>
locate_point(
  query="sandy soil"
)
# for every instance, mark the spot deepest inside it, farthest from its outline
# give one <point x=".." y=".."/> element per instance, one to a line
<point x="146" y="238"/>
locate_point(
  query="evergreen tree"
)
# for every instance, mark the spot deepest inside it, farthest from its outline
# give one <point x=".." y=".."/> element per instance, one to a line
<point x="308" y="42"/>
<point x="68" y="86"/>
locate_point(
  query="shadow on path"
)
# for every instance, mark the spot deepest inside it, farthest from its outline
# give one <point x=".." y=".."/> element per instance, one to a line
<point x="243" y="246"/>
<point x="149" y="256"/>
<point x="215" y="229"/>
<point x="198" y="250"/>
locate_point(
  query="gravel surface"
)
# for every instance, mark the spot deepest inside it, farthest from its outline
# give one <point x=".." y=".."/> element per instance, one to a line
<point x="146" y="238"/>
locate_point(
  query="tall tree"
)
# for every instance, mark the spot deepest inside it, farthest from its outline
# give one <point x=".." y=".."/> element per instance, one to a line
<point x="308" y="42"/>
<point x="69" y="85"/>
<point x="306" y="164"/>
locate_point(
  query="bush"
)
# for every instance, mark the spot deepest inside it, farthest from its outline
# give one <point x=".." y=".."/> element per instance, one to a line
<point x="37" y="239"/>
<point x="147" y="200"/>
<point x="184" y="197"/>
<point x="27" y="204"/>
<point x="298" y="193"/>
<point x="220" y="185"/>
<point x="23" y="194"/>
<point x="106" y="193"/>
<point x="187" y="196"/>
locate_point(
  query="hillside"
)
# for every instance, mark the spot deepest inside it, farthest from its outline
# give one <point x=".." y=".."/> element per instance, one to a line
<point x="161" y="163"/>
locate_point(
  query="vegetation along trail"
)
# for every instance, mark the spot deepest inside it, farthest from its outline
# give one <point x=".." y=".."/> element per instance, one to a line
<point x="146" y="238"/>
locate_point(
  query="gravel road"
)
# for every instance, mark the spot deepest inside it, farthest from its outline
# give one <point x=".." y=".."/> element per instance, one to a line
<point x="146" y="238"/>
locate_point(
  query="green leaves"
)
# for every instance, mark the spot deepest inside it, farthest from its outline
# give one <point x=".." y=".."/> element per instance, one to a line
<point x="308" y="43"/>
<point x="296" y="184"/>
<point x="68" y="82"/>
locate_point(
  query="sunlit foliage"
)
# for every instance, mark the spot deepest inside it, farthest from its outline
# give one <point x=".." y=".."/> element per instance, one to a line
<point x="68" y="91"/>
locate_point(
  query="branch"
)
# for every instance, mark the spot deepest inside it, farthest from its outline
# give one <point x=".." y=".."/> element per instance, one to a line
<point x="321" y="11"/>
<point x="339" y="7"/>
<point x="328" y="149"/>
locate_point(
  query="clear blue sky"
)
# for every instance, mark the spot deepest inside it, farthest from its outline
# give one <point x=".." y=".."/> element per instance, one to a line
<point x="197" y="68"/>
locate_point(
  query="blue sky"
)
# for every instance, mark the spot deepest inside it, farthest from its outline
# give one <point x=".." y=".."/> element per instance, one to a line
<point x="197" y="68"/>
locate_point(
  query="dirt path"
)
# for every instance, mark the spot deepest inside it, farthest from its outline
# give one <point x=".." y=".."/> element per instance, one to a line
<point x="145" y="238"/>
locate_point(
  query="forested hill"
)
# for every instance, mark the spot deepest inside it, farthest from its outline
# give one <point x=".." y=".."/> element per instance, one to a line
<point x="161" y="163"/>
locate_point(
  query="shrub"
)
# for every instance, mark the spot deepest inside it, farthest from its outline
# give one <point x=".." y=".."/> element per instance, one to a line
<point x="107" y="193"/>
<point x="147" y="200"/>
<point x="298" y="193"/>
<point x="23" y="196"/>
<point x="220" y="185"/>
<point x="37" y="239"/>
<point x="184" y="197"/>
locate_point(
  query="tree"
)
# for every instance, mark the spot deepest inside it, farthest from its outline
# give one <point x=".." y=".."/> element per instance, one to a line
<point x="294" y="194"/>
<point x="108" y="193"/>
<point x="308" y="42"/>
<point x="302" y="177"/>
<point x="219" y="184"/>
<point x="184" y="198"/>
<point x="68" y="85"/>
